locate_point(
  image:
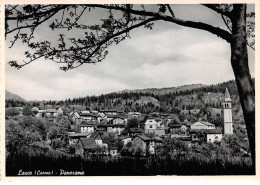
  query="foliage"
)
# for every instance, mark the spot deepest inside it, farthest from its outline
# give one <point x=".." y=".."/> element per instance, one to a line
<point x="11" y="111"/>
<point x="27" y="110"/>
<point x="132" y="123"/>
<point x="125" y="166"/>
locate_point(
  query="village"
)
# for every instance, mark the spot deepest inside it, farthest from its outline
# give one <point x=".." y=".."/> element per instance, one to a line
<point x="110" y="132"/>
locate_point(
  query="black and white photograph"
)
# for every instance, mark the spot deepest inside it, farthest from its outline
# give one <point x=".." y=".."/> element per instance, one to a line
<point x="129" y="90"/>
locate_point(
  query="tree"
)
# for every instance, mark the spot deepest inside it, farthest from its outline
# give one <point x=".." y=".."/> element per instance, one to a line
<point x="132" y="123"/>
<point x="27" y="111"/>
<point x="23" y="20"/>
<point x="11" y="111"/>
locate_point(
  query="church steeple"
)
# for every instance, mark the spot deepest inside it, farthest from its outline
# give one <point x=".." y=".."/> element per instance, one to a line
<point x="227" y="111"/>
<point x="227" y="95"/>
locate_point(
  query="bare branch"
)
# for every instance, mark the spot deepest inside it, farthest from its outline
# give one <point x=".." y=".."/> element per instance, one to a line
<point x="170" y="9"/>
<point x="218" y="10"/>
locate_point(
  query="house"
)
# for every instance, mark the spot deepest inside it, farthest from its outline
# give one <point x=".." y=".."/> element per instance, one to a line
<point x="150" y="125"/>
<point x="87" y="128"/>
<point x="118" y="121"/>
<point x="213" y="135"/>
<point x="74" y="137"/>
<point x="59" y="111"/>
<point x="65" y="111"/>
<point x="134" y="114"/>
<point x="86" y="146"/>
<point x="51" y="112"/>
<point x="185" y="128"/>
<point x="206" y="135"/>
<point x="99" y="139"/>
<point x="145" y="143"/>
<point x="40" y="114"/>
<point x="90" y="116"/>
<point x="202" y="125"/>
<point x="111" y="128"/>
<point x="125" y="139"/>
<point x="35" y="110"/>
<point x="135" y="131"/>
<point x="113" y="151"/>
<point x="74" y="116"/>
<point x="110" y="112"/>
<point x="159" y="132"/>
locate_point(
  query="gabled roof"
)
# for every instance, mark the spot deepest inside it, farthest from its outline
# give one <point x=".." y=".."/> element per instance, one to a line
<point x="65" y="110"/>
<point x="96" y="136"/>
<point x="204" y="123"/>
<point x="135" y="130"/>
<point x="87" y="143"/>
<point x="35" y="109"/>
<point x="89" y="114"/>
<point x="78" y="135"/>
<point x="87" y="125"/>
<point x="51" y="110"/>
<point x="145" y="138"/>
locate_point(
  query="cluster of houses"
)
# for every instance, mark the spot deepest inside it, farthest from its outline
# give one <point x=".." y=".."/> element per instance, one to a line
<point x="151" y="130"/>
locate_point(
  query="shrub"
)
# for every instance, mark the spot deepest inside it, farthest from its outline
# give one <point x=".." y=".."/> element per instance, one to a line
<point x="11" y="111"/>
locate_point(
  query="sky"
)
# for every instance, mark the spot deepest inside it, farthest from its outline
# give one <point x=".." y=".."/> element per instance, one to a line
<point x="167" y="56"/>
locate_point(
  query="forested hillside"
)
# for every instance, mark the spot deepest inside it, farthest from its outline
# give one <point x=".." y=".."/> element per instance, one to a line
<point x="185" y="99"/>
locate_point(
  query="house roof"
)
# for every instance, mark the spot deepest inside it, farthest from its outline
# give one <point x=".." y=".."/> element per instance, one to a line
<point x="89" y="114"/>
<point x="88" y="143"/>
<point x="123" y="137"/>
<point x="157" y="138"/>
<point x="176" y="125"/>
<point x="51" y="110"/>
<point x="65" y="110"/>
<point x="110" y="125"/>
<point x="145" y="138"/>
<point x="96" y="136"/>
<point x="78" y="135"/>
<point x="206" y="131"/>
<point x="35" y="109"/>
<point x="205" y="123"/>
<point x="135" y="130"/>
<point x="159" y="132"/>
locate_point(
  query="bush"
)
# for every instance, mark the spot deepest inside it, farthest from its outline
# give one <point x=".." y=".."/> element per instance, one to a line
<point x="11" y="112"/>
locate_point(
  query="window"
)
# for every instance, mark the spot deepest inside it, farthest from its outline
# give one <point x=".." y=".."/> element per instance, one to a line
<point x="151" y="126"/>
<point x="216" y="137"/>
<point x="209" y="139"/>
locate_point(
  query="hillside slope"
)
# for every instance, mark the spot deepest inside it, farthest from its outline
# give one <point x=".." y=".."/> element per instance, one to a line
<point x="166" y="90"/>
<point x="12" y="96"/>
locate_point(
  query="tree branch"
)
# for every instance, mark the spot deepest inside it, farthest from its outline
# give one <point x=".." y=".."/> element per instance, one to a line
<point x="198" y="25"/>
<point x="213" y="7"/>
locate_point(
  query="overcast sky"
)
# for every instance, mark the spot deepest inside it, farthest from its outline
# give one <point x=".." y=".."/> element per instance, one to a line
<point x="167" y="56"/>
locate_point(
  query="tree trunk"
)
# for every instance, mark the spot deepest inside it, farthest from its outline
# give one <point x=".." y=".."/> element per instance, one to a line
<point x="239" y="61"/>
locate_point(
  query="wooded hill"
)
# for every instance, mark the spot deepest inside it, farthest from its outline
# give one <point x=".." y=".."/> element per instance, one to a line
<point x="184" y="99"/>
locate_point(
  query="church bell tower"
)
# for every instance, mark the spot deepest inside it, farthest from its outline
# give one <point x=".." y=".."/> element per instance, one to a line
<point x="227" y="112"/>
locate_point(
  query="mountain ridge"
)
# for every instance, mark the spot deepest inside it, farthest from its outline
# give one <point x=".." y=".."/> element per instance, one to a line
<point x="12" y="96"/>
<point x="164" y="90"/>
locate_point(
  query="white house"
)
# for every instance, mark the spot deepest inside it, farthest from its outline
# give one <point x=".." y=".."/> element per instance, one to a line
<point x="60" y="111"/>
<point x="118" y="121"/>
<point x="87" y="128"/>
<point x="150" y="125"/>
